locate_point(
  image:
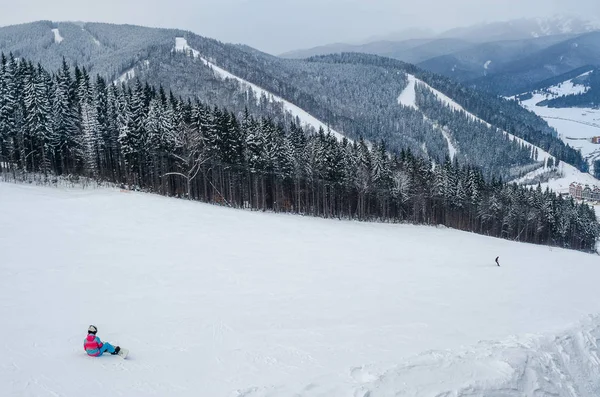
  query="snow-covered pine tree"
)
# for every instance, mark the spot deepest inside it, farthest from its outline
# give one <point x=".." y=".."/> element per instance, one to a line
<point x="38" y="119"/>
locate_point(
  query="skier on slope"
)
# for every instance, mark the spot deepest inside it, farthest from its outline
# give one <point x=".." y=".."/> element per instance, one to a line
<point x="93" y="345"/>
<point x="497" y="263"/>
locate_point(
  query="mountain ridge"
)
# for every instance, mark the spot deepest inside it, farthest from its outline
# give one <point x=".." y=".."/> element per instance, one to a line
<point x="354" y="94"/>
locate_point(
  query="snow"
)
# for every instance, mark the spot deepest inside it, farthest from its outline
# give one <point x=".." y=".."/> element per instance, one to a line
<point x="575" y="126"/>
<point x="128" y="75"/>
<point x="487" y="65"/>
<point x="568" y="88"/>
<point x="564" y="365"/>
<point x="306" y="119"/>
<point x="96" y="41"/>
<point x="57" y="37"/>
<point x="569" y="174"/>
<point x="181" y="45"/>
<point x="408" y="97"/>
<point x="543" y="155"/>
<point x="451" y="147"/>
<point x="220" y="302"/>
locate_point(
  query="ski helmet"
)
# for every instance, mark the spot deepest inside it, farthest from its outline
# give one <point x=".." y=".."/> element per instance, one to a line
<point x="92" y="329"/>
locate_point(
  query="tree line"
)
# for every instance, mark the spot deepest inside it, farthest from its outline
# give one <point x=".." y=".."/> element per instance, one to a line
<point x="67" y="123"/>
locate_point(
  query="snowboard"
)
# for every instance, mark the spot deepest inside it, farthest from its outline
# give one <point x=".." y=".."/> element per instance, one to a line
<point x="123" y="353"/>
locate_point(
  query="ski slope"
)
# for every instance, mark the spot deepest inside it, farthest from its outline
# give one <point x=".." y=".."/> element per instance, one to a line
<point x="569" y="173"/>
<point x="57" y="37"/>
<point x="219" y="302"/>
<point x="408" y="98"/>
<point x="306" y="119"/>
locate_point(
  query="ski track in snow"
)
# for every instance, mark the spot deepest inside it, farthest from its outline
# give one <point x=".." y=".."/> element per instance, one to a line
<point x="181" y="45"/>
<point x="451" y="147"/>
<point x="57" y="37"/>
<point x="221" y="302"/>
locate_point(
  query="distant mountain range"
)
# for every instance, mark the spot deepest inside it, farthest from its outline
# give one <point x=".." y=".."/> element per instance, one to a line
<point x="520" y="29"/>
<point x="503" y="57"/>
<point x="512" y="67"/>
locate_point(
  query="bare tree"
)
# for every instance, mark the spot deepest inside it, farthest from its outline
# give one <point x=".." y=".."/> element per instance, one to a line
<point x="193" y="154"/>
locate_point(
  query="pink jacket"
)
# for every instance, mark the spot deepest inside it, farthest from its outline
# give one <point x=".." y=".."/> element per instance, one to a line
<point x="92" y="345"/>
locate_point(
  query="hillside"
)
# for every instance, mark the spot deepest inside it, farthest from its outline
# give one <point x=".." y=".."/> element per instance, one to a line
<point x="237" y="303"/>
<point x="485" y="59"/>
<point x="504" y="58"/>
<point x="411" y="51"/>
<point x="353" y="95"/>
<point x="521" y="75"/>
<point x="570" y="107"/>
<point x="586" y="92"/>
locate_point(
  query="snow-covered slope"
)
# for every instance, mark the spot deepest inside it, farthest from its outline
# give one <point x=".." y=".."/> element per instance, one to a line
<point x="564" y="365"/>
<point x="305" y="118"/>
<point x="408" y="98"/>
<point x="222" y="303"/>
<point x="569" y="173"/>
<point x="57" y="37"/>
<point x="128" y="75"/>
<point x="575" y="126"/>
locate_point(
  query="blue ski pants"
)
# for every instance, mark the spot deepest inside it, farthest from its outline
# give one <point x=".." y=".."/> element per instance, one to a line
<point x="106" y="347"/>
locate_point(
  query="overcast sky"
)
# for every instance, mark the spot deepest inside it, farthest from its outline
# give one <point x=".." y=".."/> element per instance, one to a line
<point x="277" y="26"/>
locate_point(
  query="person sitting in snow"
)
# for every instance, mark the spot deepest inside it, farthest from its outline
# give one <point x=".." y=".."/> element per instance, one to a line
<point x="93" y="345"/>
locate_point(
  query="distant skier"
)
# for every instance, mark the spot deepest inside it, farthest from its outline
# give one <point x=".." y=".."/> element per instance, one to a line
<point x="93" y="345"/>
<point x="497" y="263"/>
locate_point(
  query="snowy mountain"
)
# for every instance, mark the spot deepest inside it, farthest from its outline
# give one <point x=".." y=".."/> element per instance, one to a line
<point x="352" y="95"/>
<point x="505" y="58"/>
<point x="240" y="303"/>
<point x="482" y="61"/>
<point x="524" y="28"/>
<point x="523" y="74"/>
<point x="241" y="298"/>
<point x="409" y="48"/>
